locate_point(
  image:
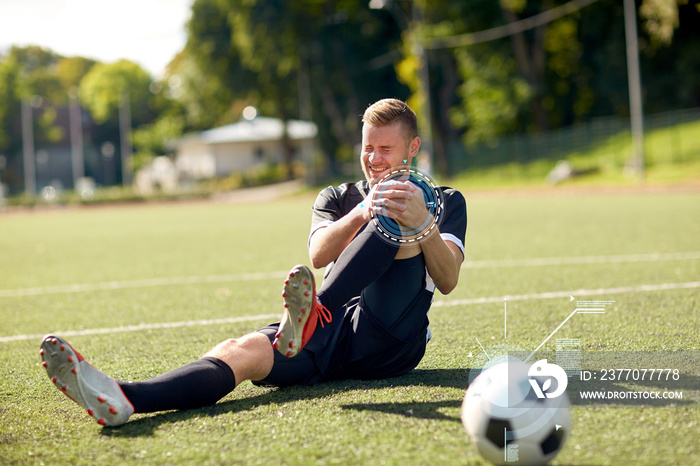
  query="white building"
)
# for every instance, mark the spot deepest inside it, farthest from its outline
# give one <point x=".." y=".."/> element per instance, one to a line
<point x="237" y="147"/>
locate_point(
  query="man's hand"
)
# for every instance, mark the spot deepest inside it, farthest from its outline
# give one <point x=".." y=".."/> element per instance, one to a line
<point x="401" y="201"/>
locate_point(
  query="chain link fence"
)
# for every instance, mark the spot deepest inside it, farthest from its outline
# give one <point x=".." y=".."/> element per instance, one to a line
<point x="608" y="136"/>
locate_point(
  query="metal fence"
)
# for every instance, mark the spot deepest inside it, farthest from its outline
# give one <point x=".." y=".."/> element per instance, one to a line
<point x="609" y="133"/>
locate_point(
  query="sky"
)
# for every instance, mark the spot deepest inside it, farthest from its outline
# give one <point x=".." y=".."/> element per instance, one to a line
<point x="147" y="32"/>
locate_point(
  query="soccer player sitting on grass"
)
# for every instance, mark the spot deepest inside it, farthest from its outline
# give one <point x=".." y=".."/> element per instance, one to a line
<point x="368" y="320"/>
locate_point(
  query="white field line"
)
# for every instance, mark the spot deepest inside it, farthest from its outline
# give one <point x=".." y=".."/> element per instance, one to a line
<point x="193" y="280"/>
<point x="566" y="294"/>
<point x="457" y="302"/>
<point x="616" y="259"/>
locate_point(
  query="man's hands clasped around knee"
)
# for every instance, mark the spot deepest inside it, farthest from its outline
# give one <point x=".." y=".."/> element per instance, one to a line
<point x="401" y="201"/>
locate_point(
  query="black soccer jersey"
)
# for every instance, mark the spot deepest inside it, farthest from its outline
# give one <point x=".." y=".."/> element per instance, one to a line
<point x="335" y="202"/>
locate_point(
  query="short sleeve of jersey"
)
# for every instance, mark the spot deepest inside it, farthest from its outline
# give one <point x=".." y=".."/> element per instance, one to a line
<point x="455" y="219"/>
<point x="334" y="202"/>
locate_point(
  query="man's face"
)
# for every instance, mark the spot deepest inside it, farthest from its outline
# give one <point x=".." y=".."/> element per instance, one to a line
<point x="383" y="148"/>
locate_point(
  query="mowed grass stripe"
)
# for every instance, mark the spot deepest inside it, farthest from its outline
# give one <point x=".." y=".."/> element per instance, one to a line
<point x="144" y="283"/>
<point x="193" y="280"/>
<point x="457" y="302"/>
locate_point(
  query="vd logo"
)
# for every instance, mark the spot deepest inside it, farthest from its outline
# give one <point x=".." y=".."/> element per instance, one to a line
<point x="543" y="372"/>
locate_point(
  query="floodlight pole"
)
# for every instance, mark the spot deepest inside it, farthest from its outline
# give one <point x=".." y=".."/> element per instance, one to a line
<point x="635" y="88"/>
<point x="28" y="148"/>
<point x="76" y="137"/>
<point x="125" y="133"/>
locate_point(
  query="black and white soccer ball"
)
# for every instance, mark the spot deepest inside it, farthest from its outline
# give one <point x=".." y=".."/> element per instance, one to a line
<point x="508" y="423"/>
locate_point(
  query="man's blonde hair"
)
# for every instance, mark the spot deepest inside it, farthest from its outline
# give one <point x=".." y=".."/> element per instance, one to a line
<point x="388" y="111"/>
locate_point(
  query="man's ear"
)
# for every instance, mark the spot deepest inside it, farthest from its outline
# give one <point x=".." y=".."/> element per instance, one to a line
<point x="414" y="147"/>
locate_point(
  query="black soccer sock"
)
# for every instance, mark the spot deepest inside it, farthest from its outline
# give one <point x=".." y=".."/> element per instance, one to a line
<point x="198" y="384"/>
<point x="365" y="259"/>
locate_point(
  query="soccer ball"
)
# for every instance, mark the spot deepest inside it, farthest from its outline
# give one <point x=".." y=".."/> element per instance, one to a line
<point x="508" y="423"/>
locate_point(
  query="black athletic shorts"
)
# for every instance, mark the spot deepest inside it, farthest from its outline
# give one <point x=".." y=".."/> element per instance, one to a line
<point x="355" y="345"/>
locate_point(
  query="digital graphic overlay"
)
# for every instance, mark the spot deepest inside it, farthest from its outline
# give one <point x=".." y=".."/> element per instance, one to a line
<point x="598" y="377"/>
<point x="390" y="230"/>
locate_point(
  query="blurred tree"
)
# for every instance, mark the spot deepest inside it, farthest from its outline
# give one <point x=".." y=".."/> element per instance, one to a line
<point x="10" y="101"/>
<point x="563" y="71"/>
<point x="660" y="19"/>
<point x="304" y="59"/>
<point x="208" y="76"/>
<point x="71" y="71"/>
<point x="103" y="90"/>
<point x="102" y="86"/>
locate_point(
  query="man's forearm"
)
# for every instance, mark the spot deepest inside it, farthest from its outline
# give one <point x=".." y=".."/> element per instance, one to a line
<point x="443" y="260"/>
<point x="326" y="244"/>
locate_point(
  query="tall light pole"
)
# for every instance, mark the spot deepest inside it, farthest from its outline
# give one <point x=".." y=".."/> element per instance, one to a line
<point x="76" y="137"/>
<point x="635" y="88"/>
<point x="125" y="133"/>
<point x="28" y="148"/>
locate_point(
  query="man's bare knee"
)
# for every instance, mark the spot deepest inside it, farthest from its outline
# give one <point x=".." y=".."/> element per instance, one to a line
<point x="250" y="357"/>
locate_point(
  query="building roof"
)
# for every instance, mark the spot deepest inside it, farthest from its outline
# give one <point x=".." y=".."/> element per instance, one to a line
<point x="257" y="129"/>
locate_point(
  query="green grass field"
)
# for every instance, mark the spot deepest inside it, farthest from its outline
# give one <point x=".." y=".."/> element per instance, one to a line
<point x="214" y="270"/>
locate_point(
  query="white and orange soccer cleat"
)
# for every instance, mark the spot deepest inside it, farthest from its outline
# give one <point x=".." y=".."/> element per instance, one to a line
<point x="302" y="312"/>
<point x="98" y="393"/>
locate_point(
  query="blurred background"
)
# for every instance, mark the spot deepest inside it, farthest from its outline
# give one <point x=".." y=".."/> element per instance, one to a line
<point x="128" y="100"/>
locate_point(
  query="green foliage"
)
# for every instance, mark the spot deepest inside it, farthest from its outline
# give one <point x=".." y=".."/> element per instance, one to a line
<point x="328" y="60"/>
<point x="27" y="73"/>
<point x="150" y="140"/>
<point x="660" y="19"/>
<point x="9" y="100"/>
<point x="71" y="71"/>
<point x="105" y="84"/>
<point x="256" y="52"/>
<point x="492" y="95"/>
